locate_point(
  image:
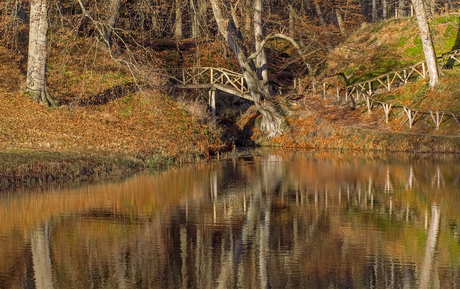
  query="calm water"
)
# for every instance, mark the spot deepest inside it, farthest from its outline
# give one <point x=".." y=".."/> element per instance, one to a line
<point x="281" y="220"/>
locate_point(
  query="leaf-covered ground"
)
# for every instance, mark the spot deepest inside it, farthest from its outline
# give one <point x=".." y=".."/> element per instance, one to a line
<point x="103" y="114"/>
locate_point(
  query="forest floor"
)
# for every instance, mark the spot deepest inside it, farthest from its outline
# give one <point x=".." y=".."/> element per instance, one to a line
<point x="105" y="127"/>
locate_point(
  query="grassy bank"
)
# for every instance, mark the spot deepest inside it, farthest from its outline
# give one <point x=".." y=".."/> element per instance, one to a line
<point x="32" y="169"/>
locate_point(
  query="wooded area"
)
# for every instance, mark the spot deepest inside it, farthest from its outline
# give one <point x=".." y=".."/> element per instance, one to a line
<point x="131" y="32"/>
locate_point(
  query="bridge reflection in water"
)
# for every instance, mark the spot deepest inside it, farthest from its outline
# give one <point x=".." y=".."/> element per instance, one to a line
<point x="286" y="219"/>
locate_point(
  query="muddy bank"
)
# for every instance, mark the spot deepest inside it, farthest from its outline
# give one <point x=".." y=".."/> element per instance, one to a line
<point x="354" y="138"/>
<point x="364" y="139"/>
<point x="41" y="169"/>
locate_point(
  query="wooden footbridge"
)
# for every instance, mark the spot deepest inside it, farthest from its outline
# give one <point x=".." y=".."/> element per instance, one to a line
<point x="211" y="78"/>
<point x="208" y="77"/>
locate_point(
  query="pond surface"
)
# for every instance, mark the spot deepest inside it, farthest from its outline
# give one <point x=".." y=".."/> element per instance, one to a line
<point x="279" y="220"/>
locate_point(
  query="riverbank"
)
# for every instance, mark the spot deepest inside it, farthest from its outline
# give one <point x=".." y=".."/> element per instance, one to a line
<point x="39" y="169"/>
<point x="316" y="123"/>
<point x="146" y="130"/>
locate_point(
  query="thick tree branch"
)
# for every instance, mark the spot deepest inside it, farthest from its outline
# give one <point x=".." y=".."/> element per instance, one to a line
<point x="273" y="36"/>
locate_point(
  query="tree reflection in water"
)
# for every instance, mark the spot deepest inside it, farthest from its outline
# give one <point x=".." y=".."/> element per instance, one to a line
<point x="288" y="219"/>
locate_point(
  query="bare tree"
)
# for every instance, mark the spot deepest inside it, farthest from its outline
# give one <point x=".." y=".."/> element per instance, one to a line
<point x="255" y="74"/>
<point x="320" y="14"/>
<point x="36" y="62"/>
<point x="427" y="42"/>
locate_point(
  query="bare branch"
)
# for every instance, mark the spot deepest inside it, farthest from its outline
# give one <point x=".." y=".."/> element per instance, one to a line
<point x="273" y="36"/>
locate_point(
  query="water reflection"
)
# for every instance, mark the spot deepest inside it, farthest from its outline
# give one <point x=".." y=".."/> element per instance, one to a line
<point x="288" y="219"/>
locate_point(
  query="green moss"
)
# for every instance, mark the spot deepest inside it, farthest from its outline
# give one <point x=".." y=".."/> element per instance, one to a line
<point x="450" y="32"/>
<point x="417" y="49"/>
<point x="445" y="19"/>
<point x="402" y="41"/>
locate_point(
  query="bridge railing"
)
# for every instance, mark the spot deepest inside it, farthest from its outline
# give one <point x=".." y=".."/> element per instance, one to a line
<point x="199" y="76"/>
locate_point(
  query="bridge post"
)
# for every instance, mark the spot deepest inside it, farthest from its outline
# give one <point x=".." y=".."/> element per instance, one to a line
<point x="212" y="103"/>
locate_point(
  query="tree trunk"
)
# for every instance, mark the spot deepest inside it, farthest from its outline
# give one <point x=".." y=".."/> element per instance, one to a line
<point x="401" y="6"/>
<point x="248" y="18"/>
<point x="427" y="42"/>
<point x="340" y="21"/>
<point x="261" y="60"/>
<point x="202" y="17"/>
<point x="193" y="19"/>
<point x="291" y="21"/>
<point x="257" y="82"/>
<point x="36" y="62"/>
<point x="374" y="10"/>
<point x="384" y="9"/>
<point x="450" y="7"/>
<point x="320" y="14"/>
<point x="178" y="22"/>
<point x="321" y="21"/>
<point x="111" y="19"/>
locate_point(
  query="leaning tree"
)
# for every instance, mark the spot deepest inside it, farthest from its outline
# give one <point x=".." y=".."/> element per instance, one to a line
<point x="254" y="66"/>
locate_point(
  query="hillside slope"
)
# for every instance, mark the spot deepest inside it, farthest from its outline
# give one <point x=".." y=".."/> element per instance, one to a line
<point x="381" y="47"/>
<point x="372" y="50"/>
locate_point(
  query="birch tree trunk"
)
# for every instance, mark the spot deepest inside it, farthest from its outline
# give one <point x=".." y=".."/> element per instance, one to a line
<point x="374" y="10"/>
<point x="178" y="21"/>
<point x="384" y="9"/>
<point x="427" y="42"/>
<point x="37" y="55"/>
